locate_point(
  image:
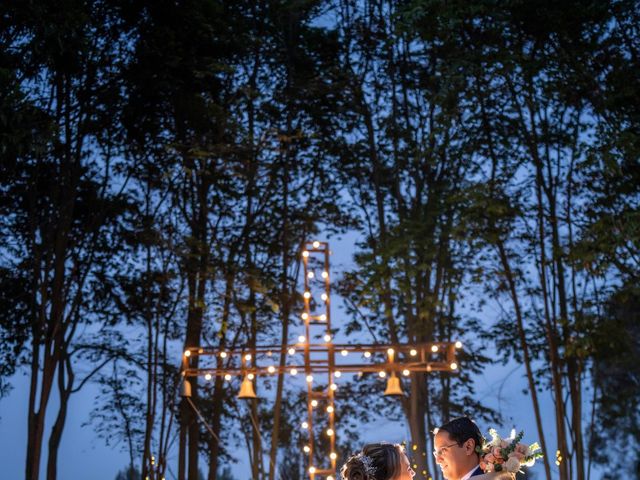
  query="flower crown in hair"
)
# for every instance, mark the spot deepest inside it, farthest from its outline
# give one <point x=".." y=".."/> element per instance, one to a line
<point x="367" y="462"/>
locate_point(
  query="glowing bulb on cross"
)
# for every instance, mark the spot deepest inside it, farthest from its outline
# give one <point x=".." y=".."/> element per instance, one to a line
<point x="306" y="449"/>
<point x="333" y="455"/>
<point x="316" y="244"/>
<point x="458" y="344"/>
<point x="382" y="373"/>
<point x="324" y="297"/>
<point x="405" y="372"/>
<point x="330" y="432"/>
<point x="187" y="353"/>
<point x="294" y="371"/>
<point x="305" y="254"/>
<point x="314" y="403"/>
<point x="291" y="351"/>
<point x="301" y="339"/>
<point x="434" y="348"/>
<point x="367" y="354"/>
<point x="325" y="274"/>
<point x="413" y="352"/>
<point x="251" y="376"/>
<point x="310" y="275"/>
<point x="323" y="318"/>
<point x="305" y="315"/>
<point x="337" y="374"/>
<point x="223" y="354"/>
<point x="247" y="357"/>
<point x="453" y="366"/>
<point x="305" y="425"/>
<point x="344" y="353"/>
<point x="333" y="387"/>
<point x="327" y="338"/>
<point x="207" y="376"/>
<point x="309" y="378"/>
<point x="227" y="377"/>
<point x="307" y="294"/>
<point x="330" y="409"/>
<point x="271" y="369"/>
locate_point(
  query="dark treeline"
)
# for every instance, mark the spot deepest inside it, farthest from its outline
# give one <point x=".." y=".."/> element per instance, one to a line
<point x="162" y="163"/>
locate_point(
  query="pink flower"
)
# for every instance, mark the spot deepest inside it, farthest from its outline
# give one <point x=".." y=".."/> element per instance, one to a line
<point x="497" y="452"/>
<point x="489" y="458"/>
<point x="483" y="466"/>
<point x="521" y="448"/>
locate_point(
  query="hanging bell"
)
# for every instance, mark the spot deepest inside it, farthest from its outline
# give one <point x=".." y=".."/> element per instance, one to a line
<point x="393" y="386"/>
<point x="186" y="388"/>
<point x="246" y="389"/>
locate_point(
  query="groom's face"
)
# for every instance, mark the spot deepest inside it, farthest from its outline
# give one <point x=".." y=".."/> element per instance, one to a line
<point x="454" y="460"/>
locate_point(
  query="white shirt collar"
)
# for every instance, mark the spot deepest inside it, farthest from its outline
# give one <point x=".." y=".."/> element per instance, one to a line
<point x="468" y="475"/>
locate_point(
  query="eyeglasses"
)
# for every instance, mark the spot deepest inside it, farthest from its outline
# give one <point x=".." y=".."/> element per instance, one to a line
<point x="439" y="451"/>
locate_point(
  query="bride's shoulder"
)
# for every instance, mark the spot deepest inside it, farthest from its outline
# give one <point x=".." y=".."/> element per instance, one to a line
<point x="494" y="476"/>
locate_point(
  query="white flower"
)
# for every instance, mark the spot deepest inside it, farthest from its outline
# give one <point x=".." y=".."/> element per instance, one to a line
<point x="512" y="464"/>
<point x="531" y="462"/>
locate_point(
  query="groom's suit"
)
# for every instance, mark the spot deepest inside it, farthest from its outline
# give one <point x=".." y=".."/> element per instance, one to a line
<point x="477" y="471"/>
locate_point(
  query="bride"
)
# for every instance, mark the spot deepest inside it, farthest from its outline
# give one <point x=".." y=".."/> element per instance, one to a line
<point x="378" y="461"/>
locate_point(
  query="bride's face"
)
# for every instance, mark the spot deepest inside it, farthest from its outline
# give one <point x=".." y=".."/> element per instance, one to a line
<point x="407" y="472"/>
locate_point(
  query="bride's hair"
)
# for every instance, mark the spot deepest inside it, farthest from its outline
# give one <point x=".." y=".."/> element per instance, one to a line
<point x="376" y="461"/>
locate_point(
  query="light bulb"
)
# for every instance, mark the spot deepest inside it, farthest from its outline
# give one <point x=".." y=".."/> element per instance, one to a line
<point x="330" y="432"/>
<point x="405" y="372"/>
<point x="382" y="373"/>
<point x="434" y="348"/>
<point x="271" y="369"/>
<point x="294" y="371"/>
<point x="314" y="403"/>
<point x="305" y="254"/>
<point x="324" y="297"/>
<point x="337" y="374"/>
<point x="306" y="449"/>
<point x="330" y="477"/>
<point x="305" y="315"/>
<point x="309" y="378"/>
<point x="247" y="357"/>
<point x="344" y="353"/>
<point x="207" y="376"/>
<point x="305" y="425"/>
<point x="251" y="376"/>
<point x="333" y="387"/>
<point x="310" y="275"/>
<point x="227" y="377"/>
<point x="458" y="344"/>
<point x="325" y="274"/>
<point x="307" y="294"/>
<point x="330" y="409"/>
<point x="327" y="338"/>
<point x="301" y="339"/>
<point x="390" y="351"/>
<point x="413" y="352"/>
<point x="312" y="470"/>
<point x="453" y="365"/>
<point x="333" y="455"/>
<point x="316" y="244"/>
<point x="187" y="353"/>
<point x="291" y="351"/>
<point x="323" y="318"/>
<point x="367" y="354"/>
<point x="223" y="354"/>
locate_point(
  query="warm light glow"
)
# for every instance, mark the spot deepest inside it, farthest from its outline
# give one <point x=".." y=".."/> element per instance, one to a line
<point x="227" y="377"/>
<point x="307" y="294"/>
<point x="247" y="357"/>
<point x="338" y="374"/>
<point x="344" y="353"/>
<point x="306" y="449"/>
<point x="305" y="254"/>
<point x="325" y="274"/>
<point x="207" y="376"/>
<point x="309" y="378"/>
<point x="323" y="318"/>
<point x="269" y="353"/>
<point x="223" y="354"/>
<point x="324" y="297"/>
<point x="334" y="387"/>
<point x="310" y="275"/>
<point x="330" y="477"/>
<point x="305" y="425"/>
<point x="316" y="244"/>
<point x="301" y="339"/>
<point x="305" y="315"/>
<point x="405" y="372"/>
<point x="327" y="338"/>
<point x="291" y="351"/>
<point x="251" y="376"/>
<point x="413" y="352"/>
<point x="333" y="455"/>
<point x="382" y="373"/>
<point x="312" y="470"/>
<point x="271" y="369"/>
<point x="187" y="353"/>
<point x="330" y="432"/>
<point x="458" y="344"/>
<point x="434" y="348"/>
<point x="330" y="409"/>
<point x="294" y="371"/>
<point x="367" y="354"/>
<point x="390" y="351"/>
<point x="314" y="403"/>
<point x="453" y="365"/>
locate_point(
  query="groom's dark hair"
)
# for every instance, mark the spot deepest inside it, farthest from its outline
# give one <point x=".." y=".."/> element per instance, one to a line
<point x="462" y="429"/>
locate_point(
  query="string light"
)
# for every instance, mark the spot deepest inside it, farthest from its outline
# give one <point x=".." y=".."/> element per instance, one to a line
<point x="305" y="315"/>
<point x="305" y="254"/>
<point x="294" y="371"/>
<point x="458" y="344"/>
<point x="405" y="372"/>
<point x="382" y="373"/>
<point x="413" y="352"/>
<point x="301" y="339"/>
<point x="453" y="365"/>
<point x="312" y="470"/>
<point x="271" y="369"/>
<point x="251" y="376"/>
<point x="337" y="374"/>
<point x="434" y="348"/>
<point x="333" y="455"/>
<point x="390" y="351"/>
<point x="367" y="354"/>
<point x="330" y="477"/>
<point x="291" y="351"/>
<point x="310" y="275"/>
<point x="306" y="449"/>
<point x="187" y="353"/>
<point x="207" y="376"/>
<point x="330" y="409"/>
<point x="344" y="353"/>
<point x="227" y="377"/>
<point x="307" y="294"/>
<point x="309" y="378"/>
<point x="305" y="425"/>
<point x="333" y="387"/>
<point x="269" y="353"/>
<point x="327" y="338"/>
<point x="314" y="403"/>
<point x="324" y="297"/>
<point x="330" y="432"/>
<point x="323" y="318"/>
<point x="325" y="274"/>
<point x="223" y="354"/>
<point x="316" y="244"/>
<point x="247" y="357"/>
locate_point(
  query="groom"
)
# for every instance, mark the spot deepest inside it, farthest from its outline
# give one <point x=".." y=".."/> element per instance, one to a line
<point x="455" y="445"/>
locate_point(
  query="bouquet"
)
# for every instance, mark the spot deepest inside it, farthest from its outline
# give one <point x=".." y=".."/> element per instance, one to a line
<point x="507" y="454"/>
